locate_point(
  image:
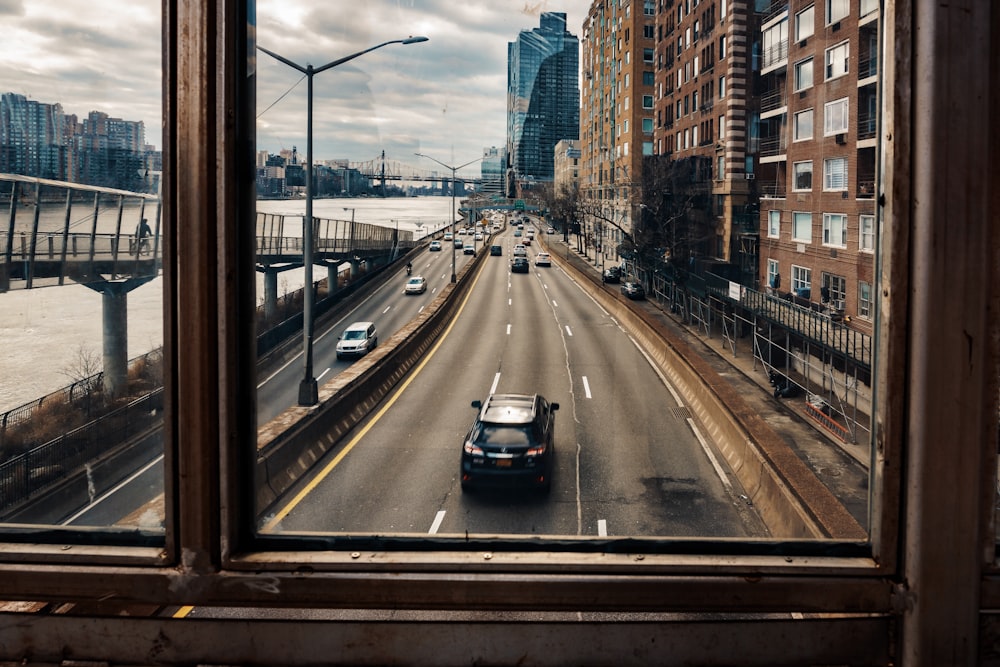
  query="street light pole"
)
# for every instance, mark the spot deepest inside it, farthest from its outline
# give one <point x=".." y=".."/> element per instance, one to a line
<point x="308" y="388"/>
<point x="454" y="170"/>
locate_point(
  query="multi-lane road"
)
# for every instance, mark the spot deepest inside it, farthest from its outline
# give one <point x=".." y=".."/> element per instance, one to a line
<point x="629" y="460"/>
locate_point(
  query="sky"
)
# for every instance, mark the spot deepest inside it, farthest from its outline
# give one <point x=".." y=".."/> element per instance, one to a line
<point x="445" y="97"/>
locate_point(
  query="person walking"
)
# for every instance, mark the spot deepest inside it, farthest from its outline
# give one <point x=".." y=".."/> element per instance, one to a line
<point x="142" y="233"/>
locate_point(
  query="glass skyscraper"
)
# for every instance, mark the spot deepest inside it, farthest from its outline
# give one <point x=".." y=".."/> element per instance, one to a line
<point x="543" y="100"/>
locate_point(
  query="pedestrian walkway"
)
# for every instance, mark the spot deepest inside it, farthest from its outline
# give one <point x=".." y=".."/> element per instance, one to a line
<point x="842" y="467"/>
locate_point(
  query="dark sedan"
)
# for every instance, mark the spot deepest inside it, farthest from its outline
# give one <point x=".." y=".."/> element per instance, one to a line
<point x="633" y="291"/>
<point x="519" y="265"/>
<point x="612" y="274"/>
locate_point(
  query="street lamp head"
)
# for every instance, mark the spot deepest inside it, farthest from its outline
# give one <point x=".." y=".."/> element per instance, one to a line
<point x="414" y="40"/>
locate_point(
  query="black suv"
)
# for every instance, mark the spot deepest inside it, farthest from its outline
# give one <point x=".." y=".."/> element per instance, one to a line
<point x="612" y="274"/>
<point x="519" y="265"/>
<point x="511" y="442"/>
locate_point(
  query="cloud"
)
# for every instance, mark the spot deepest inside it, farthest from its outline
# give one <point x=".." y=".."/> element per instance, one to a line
<point x="445" y="97"/>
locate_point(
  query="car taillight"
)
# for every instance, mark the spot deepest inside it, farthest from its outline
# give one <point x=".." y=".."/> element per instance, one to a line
<point x="537" y="450"/>
<point x="473" y="449"/>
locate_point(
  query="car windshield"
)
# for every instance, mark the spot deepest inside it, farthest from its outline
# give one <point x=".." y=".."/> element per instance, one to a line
<point x="354" y="335"/>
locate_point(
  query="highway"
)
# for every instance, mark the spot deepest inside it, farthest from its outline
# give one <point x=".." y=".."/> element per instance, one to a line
<point x="628" y="461"/>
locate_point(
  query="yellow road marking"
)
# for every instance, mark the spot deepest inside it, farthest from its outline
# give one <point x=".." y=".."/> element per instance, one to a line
<point x="301" y="495"/>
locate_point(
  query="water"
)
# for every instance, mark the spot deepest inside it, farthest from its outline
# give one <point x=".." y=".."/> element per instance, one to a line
<point x="53" y="335"/>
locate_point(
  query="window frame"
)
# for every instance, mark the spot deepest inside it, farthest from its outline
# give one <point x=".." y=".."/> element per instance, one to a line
<point x="796" y="173"/>
<point x="800" y="23"/>
<point x="836" y="110"/>
<point x="829" y="175"/>
<point x="800" y="218"/>
<point x="210" y="559"/>
<point x="831" y="59"/>
<point x="796" y="127"/>
<point x="797" y="78"/>
<point x="830" y="230"/>
<point x="774" y="224"/>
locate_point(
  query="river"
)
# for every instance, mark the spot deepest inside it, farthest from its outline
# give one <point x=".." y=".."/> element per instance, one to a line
<point x="52" y="335"/>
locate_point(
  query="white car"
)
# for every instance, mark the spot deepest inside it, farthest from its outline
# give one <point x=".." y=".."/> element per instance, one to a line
<point x="357" y="340"/>
<point x="415" y="285"/>
<point x="520" y="250"/>
<point x="543" y="259"/>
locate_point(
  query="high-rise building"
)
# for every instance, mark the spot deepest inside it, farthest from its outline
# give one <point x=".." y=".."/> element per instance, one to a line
<point x="818" y="154"/>
<point x="492" y="170"/>
<point x="616" y="130"/>
<point x="543" y="100"/>
<point x="32" y="138"/>
<point x="706" y="118"/>
<point x="566" y="165"/>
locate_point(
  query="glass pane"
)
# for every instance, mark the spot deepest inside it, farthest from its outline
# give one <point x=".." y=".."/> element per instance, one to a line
<point x="462" y="159"/>
<point x="80" y="268"/>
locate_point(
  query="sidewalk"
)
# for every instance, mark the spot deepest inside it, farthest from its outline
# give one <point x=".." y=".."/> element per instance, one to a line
<point x="841" y="466"/>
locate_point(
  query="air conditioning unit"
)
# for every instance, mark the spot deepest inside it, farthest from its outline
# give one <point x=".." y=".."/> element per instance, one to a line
<point x="749" y="176"/>
<point x="841" y="139"/>
<point x="838" y="304"/>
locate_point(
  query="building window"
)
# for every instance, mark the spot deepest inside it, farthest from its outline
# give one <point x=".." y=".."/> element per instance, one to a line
<point x="647" y="101"/>
<point x="647" y="148"/>
<point x="773" y="277"/>
<point x="648" y="78"/>
<point x="802" y="280"/>
<point x="804" y="74"/>
<point x="647" y="55"/>
<point x="647" y="125"/>
<point x="776" y="44"/>
<point x="836" y="10"/>
<point x="720" y="167"/>
<point x="864" y="300"/>
<point x="649" y="32"/>
<point x="722" y="47"/>
<point x="835" y="173"/>
<point x="837" y="60"/>
<point x="774" y="224"/>
<point x="802" y="229"/>
<point x="687" y="138"/>
<point x="649" y="7"/>
<point x="722" y="86"/>
<point x="803" y="125"/>
<point x="722" y="128"/>
<point x="694" y="135"/>
<point x="835" y="230"/>
<point x="802" y="175"/>
<point x="805" y="22"/>
<point x="866" y="233"/>
<point x="833" y="290"/>
<point x="835" y="117"/>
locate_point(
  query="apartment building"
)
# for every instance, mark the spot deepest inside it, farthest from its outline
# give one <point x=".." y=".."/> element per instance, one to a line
<point x="616" y="115"/>
<point x="705" y="111"/>
<point x="817" y="139"/>
<point x="566" y="165"/>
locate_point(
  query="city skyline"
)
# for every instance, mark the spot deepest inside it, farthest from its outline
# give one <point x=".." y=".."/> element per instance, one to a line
<point x="445" y="98"/>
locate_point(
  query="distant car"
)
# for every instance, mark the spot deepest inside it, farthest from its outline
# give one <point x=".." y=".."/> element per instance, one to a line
<point x="511" y="442"/>
<point x="478" y="236"/>
<point x="633" y="290"/>
<point x="357" y="340"/>
<point x="435" y="245"/>
<point x="612" y="274"/>
<point x="458" y="244"/>
<point x="519" y="265"/>
<point x="526" y="240"/>
<point x="517" y="232"/>
<point x="496" y="250"/>
<point x="415" y="285"/>
<point x="543" y="259"/>
<point x="447" y="236"/>
<point x="520" y="250"/>
<point x="550" y="230"/>
<point x="469" y="250"/>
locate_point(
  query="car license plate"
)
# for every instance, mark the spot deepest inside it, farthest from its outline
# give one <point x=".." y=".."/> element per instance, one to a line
<point x="503" y="463"/>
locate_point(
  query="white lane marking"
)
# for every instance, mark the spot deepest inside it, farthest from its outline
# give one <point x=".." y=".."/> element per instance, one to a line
<point x="437" y="523"/>
<point x="421" y="309"/>
<point x="602" y="527"/>
<point x="496" y="381"/>
<point x="568" y="331"/>
<point x="554" y="303"/>
<point x="322" y="374"/>
<point x="387" y="309"/>
<point x="508" y="329"/>
<point x="510" y="301"/>
<point x="586" y="387"/>
<point x="711" y="457"/>
<point x="107" y="494"/>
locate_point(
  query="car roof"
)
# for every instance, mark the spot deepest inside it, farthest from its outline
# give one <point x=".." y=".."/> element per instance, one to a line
<point x="359" y="325"/>
<point x="509" y="409"/>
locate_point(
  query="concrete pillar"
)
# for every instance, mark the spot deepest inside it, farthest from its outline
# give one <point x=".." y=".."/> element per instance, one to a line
<point x="355" y="269"/>
<point x="115" y="318"/>
<point x="270" y="293"/>
<point x="331" y="278"/>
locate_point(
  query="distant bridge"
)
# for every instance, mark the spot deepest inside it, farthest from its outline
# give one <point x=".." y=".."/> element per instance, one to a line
<point x="380" y="168"/>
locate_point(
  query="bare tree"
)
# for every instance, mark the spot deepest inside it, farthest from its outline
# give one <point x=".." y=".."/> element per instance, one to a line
<point x="85" y="369"/>
<point x="676" y="221"/>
